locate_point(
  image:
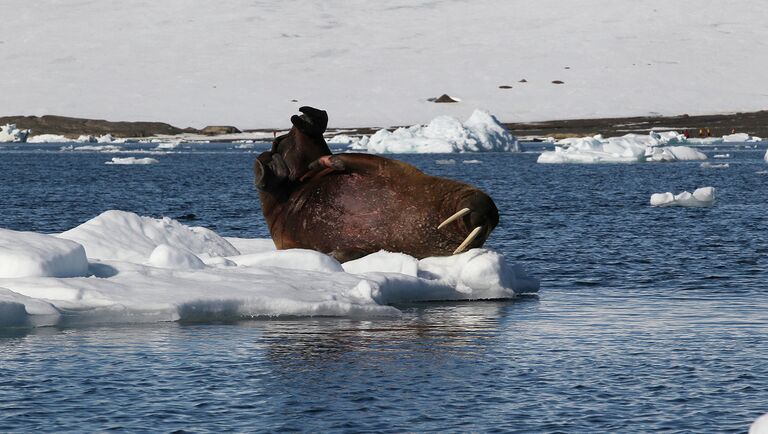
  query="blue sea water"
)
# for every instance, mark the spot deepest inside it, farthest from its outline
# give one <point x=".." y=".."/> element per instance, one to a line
<point x="648" y="320"/>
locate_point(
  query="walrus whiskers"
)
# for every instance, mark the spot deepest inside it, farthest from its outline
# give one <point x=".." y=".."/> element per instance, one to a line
<point x="468" y="240"/>
<point x="454" y="217"/>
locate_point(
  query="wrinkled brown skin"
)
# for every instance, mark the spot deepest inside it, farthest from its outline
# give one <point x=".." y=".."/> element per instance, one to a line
<point x="365" y="204"/>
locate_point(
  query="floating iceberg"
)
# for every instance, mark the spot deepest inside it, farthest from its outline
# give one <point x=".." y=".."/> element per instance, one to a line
<point x="701" y="197"/>
<point x="741" y="137"/>
<point x="132" y="160"/>
<point x="9" y="133"/>
<point x="630" y="148"/>
<point x="120" y="267"/>
<point x="482" y="132"/>
<point x="765" y="157"/>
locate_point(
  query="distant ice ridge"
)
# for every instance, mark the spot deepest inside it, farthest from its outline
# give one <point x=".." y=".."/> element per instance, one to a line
<point x="120" y="267"/>
<point x="9" y="133"/>
<point x="630" y="148"/>
<point x="132" y="160"/>
<point x="701" y="197"/>
<point x="481" y="132"/>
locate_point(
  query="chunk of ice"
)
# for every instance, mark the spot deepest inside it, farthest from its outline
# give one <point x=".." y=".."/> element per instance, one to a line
<point x="701" y="197"/>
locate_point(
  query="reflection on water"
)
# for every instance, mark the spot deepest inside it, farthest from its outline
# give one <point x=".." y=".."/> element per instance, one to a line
<point x="570" y="364"/>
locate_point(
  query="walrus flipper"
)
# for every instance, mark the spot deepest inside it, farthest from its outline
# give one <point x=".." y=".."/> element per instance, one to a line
<point x="270" y="171"/>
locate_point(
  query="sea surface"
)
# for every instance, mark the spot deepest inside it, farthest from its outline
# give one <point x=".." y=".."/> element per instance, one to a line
<point x="648" y="319"/>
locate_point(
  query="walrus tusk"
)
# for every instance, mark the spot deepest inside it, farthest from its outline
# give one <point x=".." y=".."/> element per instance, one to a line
<point x="468" y="240"/>
<point x="454" y="217"/>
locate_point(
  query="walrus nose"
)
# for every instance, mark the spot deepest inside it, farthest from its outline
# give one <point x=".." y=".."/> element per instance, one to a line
<point x="479" y="213"/>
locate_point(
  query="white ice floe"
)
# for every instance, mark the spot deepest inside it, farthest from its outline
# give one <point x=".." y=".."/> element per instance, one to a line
<point x="701" y="197"/>
<point x="741" y="137"/>
<point x="707" y="165"/>
<point x="760" y="425"/>
<point x="132" y="160"/>
<point x="721" y="156"/>
<point x="482" y="132"/>
<point x="630" y="148"/>
<point x="445" y="162"/>
<point x="140" y="269"/>
<point x="765" y="157"/>
<point x="171" y="144"/>
<point x="9" y="133"/>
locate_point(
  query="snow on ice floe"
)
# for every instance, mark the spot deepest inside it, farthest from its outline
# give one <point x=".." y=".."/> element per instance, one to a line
<point x="701" y="197"/>
<point x="630" y="148"/>
<point x="141" y="269"/>
<point x="9" y="133"/>
<point x="29" y="254"/>
<point x="132" y="160"/>
<point x="482" y="132"/>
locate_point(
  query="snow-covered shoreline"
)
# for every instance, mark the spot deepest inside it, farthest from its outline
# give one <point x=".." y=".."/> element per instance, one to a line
<point x="379" y="64"/>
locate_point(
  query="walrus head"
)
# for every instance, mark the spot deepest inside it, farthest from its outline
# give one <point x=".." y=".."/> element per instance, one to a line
<point x="292" y="153"/>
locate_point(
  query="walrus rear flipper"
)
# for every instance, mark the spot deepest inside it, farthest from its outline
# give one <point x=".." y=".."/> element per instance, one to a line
<point x="312" y="123"/>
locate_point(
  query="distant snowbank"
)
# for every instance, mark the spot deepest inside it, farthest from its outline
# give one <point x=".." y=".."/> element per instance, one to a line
<point x="9" y="133"/>
<point x="630" y="148"/>
<point x="140" y="269"/>
<point x="701" y="197"/>
<point x="482" y="132"/>
<point x="132" y="160"/>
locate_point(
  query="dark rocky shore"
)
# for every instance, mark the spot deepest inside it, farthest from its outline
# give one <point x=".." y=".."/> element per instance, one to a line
<point x="74" y="127"/>
<point x="753" y="123"/>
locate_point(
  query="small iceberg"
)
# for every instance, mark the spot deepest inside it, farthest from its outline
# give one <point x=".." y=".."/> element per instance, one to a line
<point x="132" y="160"/>
<point x="10" y="134"/>
<point x="701" y="197"/>
<point x="630" y="148"/>
<point x="482" y="132"/>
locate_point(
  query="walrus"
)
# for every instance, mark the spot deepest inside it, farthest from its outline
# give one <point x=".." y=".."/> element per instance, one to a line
<point x="351" y="205"/>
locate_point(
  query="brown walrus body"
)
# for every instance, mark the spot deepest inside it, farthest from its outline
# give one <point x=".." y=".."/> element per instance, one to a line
<point x="350" y="205"/>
